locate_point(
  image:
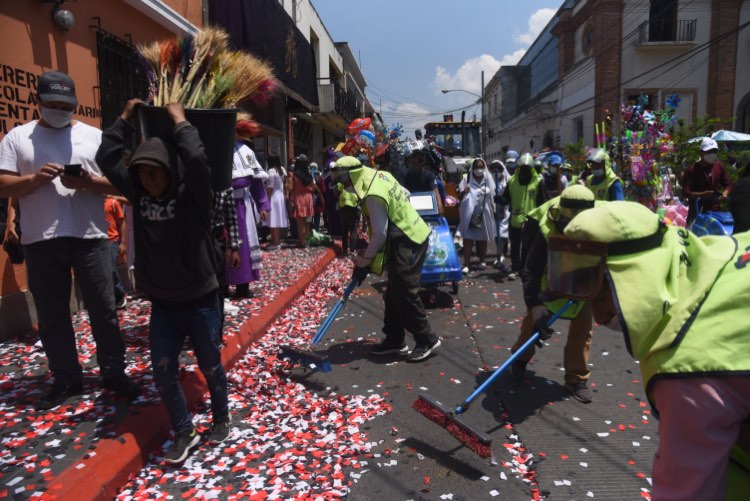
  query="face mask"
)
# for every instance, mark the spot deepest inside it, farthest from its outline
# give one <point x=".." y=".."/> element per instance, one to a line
<point x="710" y="158"/>
<point x="598" y="172"/>
<point x="342" y="177"/>
<point x="553" y="170"/>
<point x="614" y="324"/>
<point x="56" y="118"/>
<point x="479" y="173"/>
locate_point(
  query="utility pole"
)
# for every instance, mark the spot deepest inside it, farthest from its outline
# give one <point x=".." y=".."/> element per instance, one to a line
<point x="483" y="123"/>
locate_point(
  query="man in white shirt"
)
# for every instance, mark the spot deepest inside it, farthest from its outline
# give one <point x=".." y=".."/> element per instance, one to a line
<point x="48" y="164"/>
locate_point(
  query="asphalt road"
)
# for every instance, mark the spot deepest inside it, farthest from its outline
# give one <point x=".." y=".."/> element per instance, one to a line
<point x="545" y="443"/>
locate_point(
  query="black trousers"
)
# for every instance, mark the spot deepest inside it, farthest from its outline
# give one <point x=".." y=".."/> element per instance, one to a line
<point x="404" y="310"/>
<point x="348" y="217"/>
<point x="516" y="257"/>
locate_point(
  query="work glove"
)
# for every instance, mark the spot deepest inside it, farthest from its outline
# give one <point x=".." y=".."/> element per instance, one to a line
<point x="360" y="273"/>
<point x="361" y="269"/>
<point x="540" y="316"/>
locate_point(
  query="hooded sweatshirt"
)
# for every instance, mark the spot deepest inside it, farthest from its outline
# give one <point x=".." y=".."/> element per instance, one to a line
<point x="174" y="260"/>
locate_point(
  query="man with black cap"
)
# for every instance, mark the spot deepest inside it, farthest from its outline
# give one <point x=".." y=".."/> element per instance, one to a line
<point x="64" y="228"/>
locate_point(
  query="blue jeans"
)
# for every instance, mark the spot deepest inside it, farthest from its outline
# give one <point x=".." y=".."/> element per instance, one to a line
<point x="48" y="266"/>
<point x="119" y="289"/>
<point x="170" y="323"/>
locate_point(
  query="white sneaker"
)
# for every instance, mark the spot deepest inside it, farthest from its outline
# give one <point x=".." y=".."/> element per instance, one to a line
<point x="465" y="270"/>
<point x="230" y="308"/>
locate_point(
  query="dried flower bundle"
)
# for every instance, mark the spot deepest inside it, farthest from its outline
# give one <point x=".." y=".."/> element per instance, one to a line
<point x="202" y="72"/>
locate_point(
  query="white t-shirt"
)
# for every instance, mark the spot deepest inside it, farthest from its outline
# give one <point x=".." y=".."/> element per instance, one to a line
<point x="52" y="210"/>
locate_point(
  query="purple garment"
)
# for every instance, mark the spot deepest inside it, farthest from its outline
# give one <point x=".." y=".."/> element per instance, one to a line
<point x="249" y="267"/>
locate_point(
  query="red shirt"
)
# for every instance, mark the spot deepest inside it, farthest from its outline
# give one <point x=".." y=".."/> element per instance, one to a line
<point x="699" y="177"/>
<point x="114" y="215"/>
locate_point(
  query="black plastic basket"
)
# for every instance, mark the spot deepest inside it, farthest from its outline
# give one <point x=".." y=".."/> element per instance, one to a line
<point x="215" y="127"/>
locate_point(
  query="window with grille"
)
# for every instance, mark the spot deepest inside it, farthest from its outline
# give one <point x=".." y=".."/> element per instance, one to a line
<point x="121" y="76"/>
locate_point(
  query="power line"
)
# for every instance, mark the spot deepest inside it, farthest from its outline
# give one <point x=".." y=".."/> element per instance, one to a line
<point x="687" y="56"/>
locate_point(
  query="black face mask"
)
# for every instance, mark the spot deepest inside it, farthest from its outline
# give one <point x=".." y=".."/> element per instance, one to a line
<point x="524" y="174"/>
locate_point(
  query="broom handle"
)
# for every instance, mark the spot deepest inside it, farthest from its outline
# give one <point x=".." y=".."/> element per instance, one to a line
<point x="334" y="312"/>
<point x="463" y="407"/>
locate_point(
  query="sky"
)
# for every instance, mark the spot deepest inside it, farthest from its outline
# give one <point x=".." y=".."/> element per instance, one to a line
<point x="409" y="50"/>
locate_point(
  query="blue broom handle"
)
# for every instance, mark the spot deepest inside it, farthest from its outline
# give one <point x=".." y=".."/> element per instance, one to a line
<point x="460" y="409"/>
<point x="334" y="312"/>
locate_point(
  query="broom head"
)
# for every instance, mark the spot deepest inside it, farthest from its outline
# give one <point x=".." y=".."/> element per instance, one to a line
<point x="474" y="439"/>
<point x="307" y="358"/>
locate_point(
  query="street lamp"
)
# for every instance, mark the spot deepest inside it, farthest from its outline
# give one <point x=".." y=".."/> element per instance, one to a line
<point x="480" y="101"/>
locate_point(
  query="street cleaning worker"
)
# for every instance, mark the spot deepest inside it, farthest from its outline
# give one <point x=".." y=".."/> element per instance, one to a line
<point x="551" y="219"/>
<point x="681" y="303"/>
<point x="400" y="237"/>
<point x="525" y="192"/>
<point x="603" y="181"/>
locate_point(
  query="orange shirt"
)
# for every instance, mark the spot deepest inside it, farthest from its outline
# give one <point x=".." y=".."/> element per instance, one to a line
<point x="114" y="214"/>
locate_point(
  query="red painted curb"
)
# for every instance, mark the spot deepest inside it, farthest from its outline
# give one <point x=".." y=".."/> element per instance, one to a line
<point x="117" y="459"/>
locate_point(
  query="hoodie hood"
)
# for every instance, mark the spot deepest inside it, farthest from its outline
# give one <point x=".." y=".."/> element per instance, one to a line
<point x="658" y="288"/>
<point x="155" y="151"/>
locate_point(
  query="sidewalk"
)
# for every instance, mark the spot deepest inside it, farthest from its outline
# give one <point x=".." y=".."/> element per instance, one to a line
<point x="89" y="448"/>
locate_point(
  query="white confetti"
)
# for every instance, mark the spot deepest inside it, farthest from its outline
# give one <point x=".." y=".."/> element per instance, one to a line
<point x="605" y="434"/>
<point x="494" y="493"/>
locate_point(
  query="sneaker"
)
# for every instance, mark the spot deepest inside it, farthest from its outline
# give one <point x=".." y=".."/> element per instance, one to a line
<point x="230" y="308"/>
<point x="422" y="352"/>
<point x="482" y="266"/>
<point x="121" y="304"/>
<point x="181" y="447"/>
<point x="465" y="270"/>
<point x="387" y="348"/>
<point x="220" y="430"/>
<point x="58" y="393"/>
<point x="580" y="392"/>
<point x="518" y="370"/>
<point x="122" y="386"/>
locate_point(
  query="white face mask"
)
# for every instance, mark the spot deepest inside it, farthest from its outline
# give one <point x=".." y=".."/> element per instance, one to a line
<point x="598" y="172"/>
<point x="479" y="173"/>
<point x="553" y="170"/>
<point x="56" y="118"/>
<point x="614" y="324"/>
<point x="710" y="158"/>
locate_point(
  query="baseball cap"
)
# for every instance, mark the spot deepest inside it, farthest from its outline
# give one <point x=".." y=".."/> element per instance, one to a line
<point x="709" y="144"/>
<point x="56" y="86"/>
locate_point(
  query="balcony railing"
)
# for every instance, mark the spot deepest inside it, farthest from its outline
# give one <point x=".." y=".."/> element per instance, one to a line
<point x="667" y="30"/>
<point x="334" y="98"/>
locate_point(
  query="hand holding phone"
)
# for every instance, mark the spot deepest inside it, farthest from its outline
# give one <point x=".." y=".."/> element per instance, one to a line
<point x="72" y="170"/>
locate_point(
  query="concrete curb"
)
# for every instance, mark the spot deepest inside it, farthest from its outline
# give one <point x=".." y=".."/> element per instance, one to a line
<point x="99" y="477"/>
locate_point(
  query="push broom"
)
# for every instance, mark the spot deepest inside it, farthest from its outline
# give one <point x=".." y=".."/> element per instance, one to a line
<point x="309" y="358"/>
<point x="451" y="420"/>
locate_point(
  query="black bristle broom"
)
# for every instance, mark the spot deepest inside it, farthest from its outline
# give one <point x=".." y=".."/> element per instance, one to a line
<point x="451" y="420"/>
<point x="309" y="358"/>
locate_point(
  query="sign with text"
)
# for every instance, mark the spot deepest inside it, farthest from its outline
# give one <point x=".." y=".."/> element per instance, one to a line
<point x="18" y="100"/>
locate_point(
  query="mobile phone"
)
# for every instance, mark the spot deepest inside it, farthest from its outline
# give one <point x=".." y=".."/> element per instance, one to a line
<point x="72" y="170"/>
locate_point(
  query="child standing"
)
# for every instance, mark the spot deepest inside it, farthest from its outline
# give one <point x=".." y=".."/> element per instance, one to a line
<point x="168" y="182"/>
<point x="115" y="217"/>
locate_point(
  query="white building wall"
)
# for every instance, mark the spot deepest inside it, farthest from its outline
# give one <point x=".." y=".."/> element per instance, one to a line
<point x="655" y="67"/>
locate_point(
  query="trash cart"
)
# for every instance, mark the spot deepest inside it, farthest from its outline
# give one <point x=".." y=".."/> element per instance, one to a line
<point x="441" y="266"/>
